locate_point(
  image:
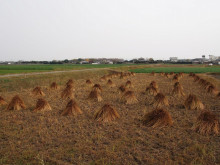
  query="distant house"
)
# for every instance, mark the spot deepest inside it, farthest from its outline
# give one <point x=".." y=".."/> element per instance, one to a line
<point x="109" y="62"/>
<point x="173" y="59"/>
<point x="84" y="62"/>
<point x="95" y="63"/>
<point x="213" y="58"/>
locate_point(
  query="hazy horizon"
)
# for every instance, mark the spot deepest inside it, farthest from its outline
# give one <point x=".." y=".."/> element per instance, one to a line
<point x="57" y="30"/>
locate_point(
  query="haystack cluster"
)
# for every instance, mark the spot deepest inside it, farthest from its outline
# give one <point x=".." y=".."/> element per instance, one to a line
<point x="207" y="122"/>
<point x="205" y="85"/>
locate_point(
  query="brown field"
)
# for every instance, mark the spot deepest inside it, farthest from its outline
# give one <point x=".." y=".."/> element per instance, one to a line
<point x="28" y="137"/>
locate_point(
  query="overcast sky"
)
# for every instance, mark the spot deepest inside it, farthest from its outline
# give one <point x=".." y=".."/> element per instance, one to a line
<point x="68" y="29"/>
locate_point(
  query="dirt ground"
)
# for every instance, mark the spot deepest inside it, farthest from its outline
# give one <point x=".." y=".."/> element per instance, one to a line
<point x="28" y="137"/>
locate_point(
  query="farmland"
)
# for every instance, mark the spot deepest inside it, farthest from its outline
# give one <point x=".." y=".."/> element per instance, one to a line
<point x="12" y="69"/>
<point x="195" y="69"/>
<point x="28" y="137"/>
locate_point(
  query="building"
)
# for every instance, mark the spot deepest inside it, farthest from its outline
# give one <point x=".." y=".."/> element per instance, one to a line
<point x="213" y="58"/>
<point x="173" y="59"/>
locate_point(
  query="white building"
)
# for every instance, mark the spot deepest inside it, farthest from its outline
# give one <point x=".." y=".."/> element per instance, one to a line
<point x="213" y="58"/>
<point x="173" y="59"/>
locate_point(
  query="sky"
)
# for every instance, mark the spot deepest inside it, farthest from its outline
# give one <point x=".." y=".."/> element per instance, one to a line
<point x="69" y="29"/>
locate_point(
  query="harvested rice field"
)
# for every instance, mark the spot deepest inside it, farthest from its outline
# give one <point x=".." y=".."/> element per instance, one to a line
<point x="169" y="137"/>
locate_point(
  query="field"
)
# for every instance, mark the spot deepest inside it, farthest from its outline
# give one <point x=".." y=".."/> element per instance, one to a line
<point x="28" y="137"/>
<point x="12" y="69"/>
<point x="194" y="69"/>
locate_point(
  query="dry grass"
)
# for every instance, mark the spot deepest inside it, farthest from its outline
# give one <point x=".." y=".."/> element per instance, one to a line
<point x="196" y="78"/>
<point x="153" y="84"/>
<point x="106" y="114"/>
<point x="2" y="101"/>
<point x="89" y="83"/>
<point x="16" y="103"/>
<point x="42" y="105"/>
<point x="122" y="89"/>
<point x="95" y="95"/>
<point x="151" y="90"/>
<point x="176" y="78"/>
<point x="70" y="82"/>
<point x="153" y="73"/>
<point x="218" y="95"/>
<point x="128" y="84"/>
<point x="167" y="75"/>
<point x="207" y="123"/>
<point x="54" y="86"/>
<point x="157" y="118"/>
<point x="160" y="101"/>
<point x="129" y="98"/>
<point x="110" y="83"/>
<point x="178" y="90"/>
<point x="37" y="92"/>
<point x="97" y="87"/>
<point x="212" y="90"/>
<point x="67" y="93"/>
<point x="72" y="108"/>
<point x="193" y="103"/>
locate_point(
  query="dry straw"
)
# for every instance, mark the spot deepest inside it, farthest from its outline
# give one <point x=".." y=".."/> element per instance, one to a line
<point x="151" y="90"/>
<point x="106" y="114"/>
<point x="129" y="97"/>
<point x="207" y="123"/>
<point x="218" y="95"/>
<point x="110" y="83"/>
<point x="176" y="78"/>
<point x="89" y="82"/>
<point x="192" y="74"/>
<point x="67" y="92"/>
<point x="202" y="82"/>
<point x="70" y="82"/>
<point x="97" y="87"/>
<point x="181" y="74"/>
<point x="206" y="85"/>
<point x="95" y="95"/>
<point x="16" y="104"/>
<point x="212" y="89"/>
<point x="2" y="101"/>
<point x="104" y="78"/>
<point x="196" y="78"/>
<point x="171" y="73"/>
<point x="72" y="108"/>
<point x="166" y="75"/>
<point x="153" y="73"/>
<point x="178" y="90"/>
<point x="42" y="105"/>
<point x="128" y="84"/>
<point x="157" y="118"/>
<point x="193" y="103"/>
<point x="122" y="89"/>
<point x="132" y="73"/>
<point x="54" y="86"/>
<point x="160" y="101"/>
<point x="153" y="84"/>
<point x="37" y="92"/>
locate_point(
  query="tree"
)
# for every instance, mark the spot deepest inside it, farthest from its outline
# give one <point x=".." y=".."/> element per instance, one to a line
<point x="66" y="61"/>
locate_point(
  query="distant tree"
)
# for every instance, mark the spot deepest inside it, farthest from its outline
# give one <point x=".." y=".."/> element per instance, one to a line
<point x="79" y="60"/>
<point x="66" y="61"/>
<point x="151" y="60"/>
